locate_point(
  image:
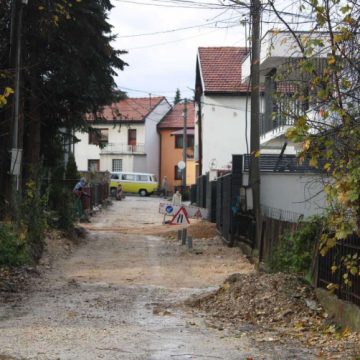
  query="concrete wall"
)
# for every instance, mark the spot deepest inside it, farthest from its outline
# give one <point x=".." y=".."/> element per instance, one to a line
<point x="300" y="193"/>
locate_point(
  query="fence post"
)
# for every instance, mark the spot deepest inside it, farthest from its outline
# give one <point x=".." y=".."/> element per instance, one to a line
<point x="189" y="242"/>
<point x="184" y="235"/>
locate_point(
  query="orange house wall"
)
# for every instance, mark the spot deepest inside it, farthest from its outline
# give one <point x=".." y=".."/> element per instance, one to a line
<point x="170" y="156"/>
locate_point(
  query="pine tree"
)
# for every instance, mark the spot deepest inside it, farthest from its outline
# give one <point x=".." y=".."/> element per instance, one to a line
<point x="177" y="96"/>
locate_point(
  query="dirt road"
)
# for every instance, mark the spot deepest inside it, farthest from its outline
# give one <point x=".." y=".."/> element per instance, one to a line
<point x="115" y="297"/>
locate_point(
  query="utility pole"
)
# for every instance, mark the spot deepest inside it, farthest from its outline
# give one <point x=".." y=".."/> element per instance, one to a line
<point x="255" y="9"/>
<point x="184" y="146"/>
<point x="16" y="151"/>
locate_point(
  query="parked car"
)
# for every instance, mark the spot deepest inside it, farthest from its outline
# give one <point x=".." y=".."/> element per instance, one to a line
<point x="139" y="183"/>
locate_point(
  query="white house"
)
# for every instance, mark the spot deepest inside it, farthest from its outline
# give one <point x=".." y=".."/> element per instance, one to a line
<point x="280" y="54"/>
<point x="123" y="137"/>
<point x="222" y="125"/>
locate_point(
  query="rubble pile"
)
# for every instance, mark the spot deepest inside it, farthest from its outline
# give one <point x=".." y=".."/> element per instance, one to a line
<point x="261" y="299"/>
<point x="281" y="304"/>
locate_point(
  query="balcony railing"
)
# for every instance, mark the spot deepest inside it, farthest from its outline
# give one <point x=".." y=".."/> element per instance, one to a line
<point x="116" y="148"/>
<point x="274" y="124"/>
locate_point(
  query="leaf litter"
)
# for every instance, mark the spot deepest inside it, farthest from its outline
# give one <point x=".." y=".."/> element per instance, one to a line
<point x="276" y="308"/>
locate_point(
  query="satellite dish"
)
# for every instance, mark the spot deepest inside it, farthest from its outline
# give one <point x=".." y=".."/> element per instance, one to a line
<point x="181" y="165"/>
<point x="212" y="164"/>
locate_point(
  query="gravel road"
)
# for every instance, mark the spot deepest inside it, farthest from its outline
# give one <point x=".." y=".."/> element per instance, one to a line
<point x="115" y="296"/>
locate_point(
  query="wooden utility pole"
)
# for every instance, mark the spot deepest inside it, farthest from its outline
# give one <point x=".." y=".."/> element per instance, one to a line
<point x="15" y="58"/>
<point x="255" y="9"/>
<point x="184" y="145"/>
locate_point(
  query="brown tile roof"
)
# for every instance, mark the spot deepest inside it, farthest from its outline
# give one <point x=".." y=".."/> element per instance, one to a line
<point x="221" y="69"/>
<point x="175" y="118"/>
<point x="131" y="109"/>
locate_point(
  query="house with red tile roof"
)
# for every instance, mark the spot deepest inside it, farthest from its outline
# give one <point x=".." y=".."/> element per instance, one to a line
<point x="171" y="130"/>
<point x="222" y="125"/>
<point x="122" y="137"/>
<point x="222" y="98"/>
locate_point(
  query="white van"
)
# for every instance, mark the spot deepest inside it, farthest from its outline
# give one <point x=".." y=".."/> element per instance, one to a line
<point x="140" y="183"/>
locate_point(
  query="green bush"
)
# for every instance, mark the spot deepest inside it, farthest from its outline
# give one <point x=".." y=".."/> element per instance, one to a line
<point x="34" y="219"/>
<point x="65" y="210"/>
<point x="295" y="251"/>
<point x="14" y="250"/>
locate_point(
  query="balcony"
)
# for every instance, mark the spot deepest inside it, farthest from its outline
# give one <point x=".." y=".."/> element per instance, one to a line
<point x="279" y="48"/>
<point x="274" y="127"/>
<point x="116" y="148"/>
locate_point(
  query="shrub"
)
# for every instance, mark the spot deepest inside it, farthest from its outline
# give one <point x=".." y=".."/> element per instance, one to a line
<point x="33" y="218"/>
<point x="14" y="250"/>
<point x="295" y="251"/>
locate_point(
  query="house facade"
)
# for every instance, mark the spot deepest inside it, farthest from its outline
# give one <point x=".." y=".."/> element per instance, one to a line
<point x="171" y="130"/>
<point x="123" y="137"/>
<point x="222" y="108"/>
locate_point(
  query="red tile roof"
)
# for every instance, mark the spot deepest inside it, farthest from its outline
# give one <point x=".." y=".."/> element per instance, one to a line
<point x="220" y="69"/>
<point x="175" y="118"/>
<point x="131" y="109"/>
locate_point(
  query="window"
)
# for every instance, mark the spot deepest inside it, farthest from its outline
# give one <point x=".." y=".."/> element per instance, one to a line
<point x="179" y="141"/>
<point x="115" y="176"/>
<point x="99" y="136"/>
<point x="117" y="165"/>
<point x="190" y="141"/>
<point x="142" y="178"/>
<point x="93" y="165"/>
<point x="132" y="137"/>
<point x="129" y="177"/>
<point x="178" y="173"/>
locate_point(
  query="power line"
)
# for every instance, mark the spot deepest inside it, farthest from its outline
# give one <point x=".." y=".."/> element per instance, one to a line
<point x="176" y="29"/>
<point x="170" y="41"/>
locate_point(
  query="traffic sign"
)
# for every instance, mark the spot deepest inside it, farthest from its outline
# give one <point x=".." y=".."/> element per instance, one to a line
<point x="169" y="209"/>
<point x="180" y="218"/>
<point x="192" y="211"/>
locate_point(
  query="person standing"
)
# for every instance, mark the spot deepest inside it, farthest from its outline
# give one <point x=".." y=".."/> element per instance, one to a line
<point x="177" y="198"/>
<point x="164" y="186"/>
<point x="79" y="194"/>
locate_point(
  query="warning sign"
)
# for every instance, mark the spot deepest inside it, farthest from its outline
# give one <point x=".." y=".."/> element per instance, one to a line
<point x="181" y="217"/>
<point x="192" y="211"/>
<point x="198" y="214"/>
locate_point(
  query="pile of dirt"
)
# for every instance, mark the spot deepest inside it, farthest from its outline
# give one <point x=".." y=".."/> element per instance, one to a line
<point x="197" y="229"/>
<point x="280" y="303"/>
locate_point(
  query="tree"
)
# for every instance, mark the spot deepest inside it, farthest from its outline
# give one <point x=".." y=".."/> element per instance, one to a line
<point x="68" y="68"/>
<point x="328" y="88"/>
<point x="177" y="98"/>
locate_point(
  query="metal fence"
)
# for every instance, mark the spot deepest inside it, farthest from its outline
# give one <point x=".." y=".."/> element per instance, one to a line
<point x="201" y="183"/>
<point x="275" y="223"/>
<point x="98" y="192"/>
<point x="325" y="275"/>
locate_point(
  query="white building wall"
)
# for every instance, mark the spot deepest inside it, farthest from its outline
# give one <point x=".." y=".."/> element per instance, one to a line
<point x="83" y="151"/>
<point x="223" y="130"/>
<point x="117" y="135"/>
<point x="127" y="162"/>
<point x="152" y="138"/>
<point x="299" y="193"/>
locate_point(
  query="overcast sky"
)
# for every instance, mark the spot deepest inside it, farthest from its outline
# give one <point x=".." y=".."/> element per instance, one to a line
<point x="163" y="62"/>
